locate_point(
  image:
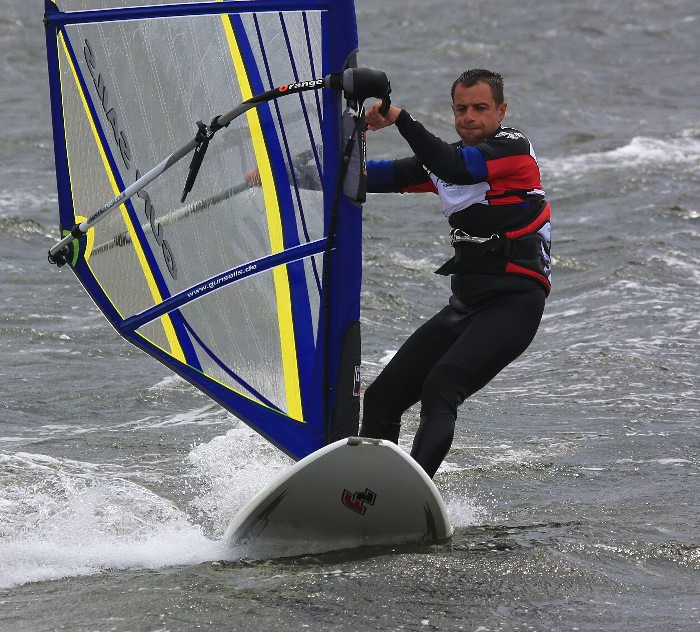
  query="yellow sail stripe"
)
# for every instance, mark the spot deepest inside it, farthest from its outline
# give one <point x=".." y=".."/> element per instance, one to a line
<point x="274" y="223"/>
<point x="175" y="348"/>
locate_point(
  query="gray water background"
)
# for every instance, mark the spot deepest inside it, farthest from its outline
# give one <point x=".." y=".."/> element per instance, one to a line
<point x="573" y="479"/>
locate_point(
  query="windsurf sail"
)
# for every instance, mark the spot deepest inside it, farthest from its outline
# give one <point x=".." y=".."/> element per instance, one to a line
<point x="251" y="293"/>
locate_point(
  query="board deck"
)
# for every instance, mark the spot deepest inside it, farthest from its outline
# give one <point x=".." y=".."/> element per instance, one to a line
<point x="354" y="492"/>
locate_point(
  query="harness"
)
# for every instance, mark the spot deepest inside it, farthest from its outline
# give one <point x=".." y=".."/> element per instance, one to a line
<point x="524" y="251"/>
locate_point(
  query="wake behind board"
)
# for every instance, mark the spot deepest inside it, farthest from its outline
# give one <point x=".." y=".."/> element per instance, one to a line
<point x="354" y="492"/>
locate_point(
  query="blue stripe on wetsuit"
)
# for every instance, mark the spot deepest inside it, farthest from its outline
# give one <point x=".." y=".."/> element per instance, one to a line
<point x="380" y="174"/>
<point x="476" y="163"/>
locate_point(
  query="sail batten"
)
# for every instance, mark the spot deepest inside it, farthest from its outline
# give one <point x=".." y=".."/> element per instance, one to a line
<point x="222" y="280"/>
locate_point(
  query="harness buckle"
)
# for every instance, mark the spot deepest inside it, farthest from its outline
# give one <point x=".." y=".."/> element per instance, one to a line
<point x="457" y="235"/>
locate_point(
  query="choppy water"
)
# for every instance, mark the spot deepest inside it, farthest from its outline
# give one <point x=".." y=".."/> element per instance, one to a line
<point x="573" y="482"/>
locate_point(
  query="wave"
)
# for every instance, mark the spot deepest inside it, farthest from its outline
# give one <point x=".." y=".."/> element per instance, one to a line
<point x="64" y="518"/>
<point x="641" y="151"/>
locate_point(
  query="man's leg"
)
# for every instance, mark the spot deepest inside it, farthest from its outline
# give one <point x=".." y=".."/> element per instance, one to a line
<point x="400" y="383"/>
<point x="492" y="338"/>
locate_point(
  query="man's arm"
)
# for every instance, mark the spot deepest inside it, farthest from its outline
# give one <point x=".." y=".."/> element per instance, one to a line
<point x="449" y="162"/>
<point x="406" y="175"/>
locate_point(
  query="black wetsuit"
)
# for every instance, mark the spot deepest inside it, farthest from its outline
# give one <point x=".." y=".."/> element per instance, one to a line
<point x="498" y="298"/>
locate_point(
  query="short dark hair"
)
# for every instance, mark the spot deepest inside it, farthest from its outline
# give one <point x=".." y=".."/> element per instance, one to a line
<point x="470" y="78"/>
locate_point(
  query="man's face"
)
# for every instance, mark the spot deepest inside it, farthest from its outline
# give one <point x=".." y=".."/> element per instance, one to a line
<point x="476" y="114"/>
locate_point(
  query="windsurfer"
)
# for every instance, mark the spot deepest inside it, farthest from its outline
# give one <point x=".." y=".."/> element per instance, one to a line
<point x="490" y="190"/>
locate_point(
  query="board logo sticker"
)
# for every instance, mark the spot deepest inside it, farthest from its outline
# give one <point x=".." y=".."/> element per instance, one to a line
<point x="358" y="501"/>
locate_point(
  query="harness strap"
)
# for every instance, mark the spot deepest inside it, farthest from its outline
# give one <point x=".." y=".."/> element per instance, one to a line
<point x="522" y="246"/>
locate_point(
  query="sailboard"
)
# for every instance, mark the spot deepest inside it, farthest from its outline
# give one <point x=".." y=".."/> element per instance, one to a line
<point x="249" y="292"/>
<point x="354" y="492"/>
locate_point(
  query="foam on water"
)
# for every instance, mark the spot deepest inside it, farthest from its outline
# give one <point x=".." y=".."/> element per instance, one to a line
<point x="13" y="201"/>
<point x="639" y="152"/>
<point x="410" y="264"/>
<point x="61" y="517"/>
<point x="233" y="468"/>
<point x="209" y="414"/>
<point x="49" y="556"/>
<point x="64" y="518"/>
<point x="170" y="383"/>
<point x="464" y="512"/>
